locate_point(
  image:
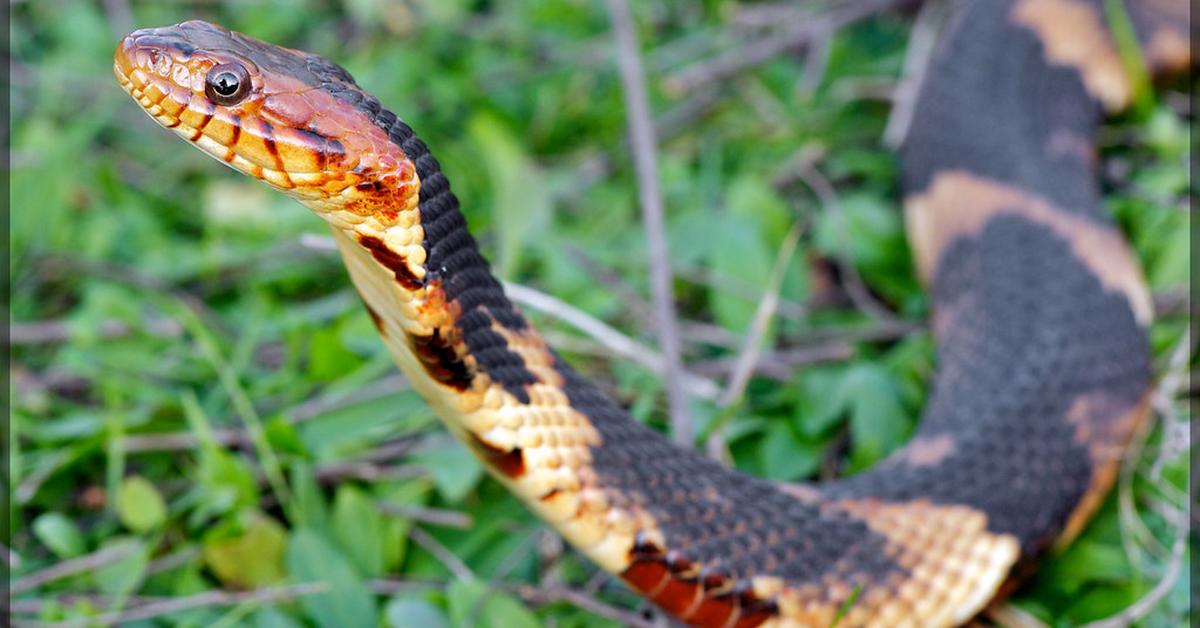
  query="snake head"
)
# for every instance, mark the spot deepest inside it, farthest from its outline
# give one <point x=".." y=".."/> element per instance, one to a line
<point x="292" y="119"/>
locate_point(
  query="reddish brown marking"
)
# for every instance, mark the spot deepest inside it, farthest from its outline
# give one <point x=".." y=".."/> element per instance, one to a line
<point x="646" y="576"/>
<point x="335" y="150"/>
<point x="510" y="463"/>
<point x="698" y="596"/>
<point x="713" y="611"/>
<point x="268" y="140"/>
<point x="208" y="115"/>
<point x="441" y="361"/>
<point x="550" y="494"/>
<point x="375" y="318"/>
<point x="678" y="596"/>
<point x="236" y="122"/>
<point x="317" y="143"/>
<point x="391" y="260"/>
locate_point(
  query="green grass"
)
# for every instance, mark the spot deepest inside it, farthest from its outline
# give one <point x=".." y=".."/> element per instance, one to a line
<point x="207" y="407"/>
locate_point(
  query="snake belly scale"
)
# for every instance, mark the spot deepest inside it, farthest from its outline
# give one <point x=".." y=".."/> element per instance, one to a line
<point x="1040" y="317"/>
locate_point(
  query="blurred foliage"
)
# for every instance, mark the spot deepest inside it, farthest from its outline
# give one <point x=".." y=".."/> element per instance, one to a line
<point x="179" y="303"/>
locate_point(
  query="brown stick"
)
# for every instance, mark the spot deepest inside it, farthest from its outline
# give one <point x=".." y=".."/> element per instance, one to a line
<point x="735" y="61"/>
<point x="71" y="567"/>
<point x="449" y="559"/>
<point x="645" y="160"/>
<point x="552" y="593"/>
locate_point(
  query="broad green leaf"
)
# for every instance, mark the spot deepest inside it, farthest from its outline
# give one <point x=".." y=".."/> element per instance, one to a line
<point x="1087" y="561"/>
<point x="359" y="529"/>
<point x="347" y="603"/>
<point x="1171" y="266"/>
<point x="1166" y="133"/>
<point x="363" y="425"/>
<point x="271" y="617"/>
<point x="414" y="611"/>
<point x="823" y="399"/>
<point x="785" y="457"/>
<point x="247" y="554"/>
<point x="58" y="533"/>
<point x="226" y="481"/>
<point x="1101" y="602"/>
<point x="520" y="203"/>
<point x="121" y="577"/>
<point x="328" y="357"/>
<point x="455" y="470"/>
<point x="742" y="265"/>
<point x="139" y="505"/>
<point x="475" y="603"/>
<point x="283" y="436"/>
<point x="878" y="423"/>
<point x="310" y="506"/>
<point x="395" y="535"/>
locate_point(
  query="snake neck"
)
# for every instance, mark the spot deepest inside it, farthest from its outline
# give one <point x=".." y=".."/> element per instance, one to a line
<point x="487" y="373"/>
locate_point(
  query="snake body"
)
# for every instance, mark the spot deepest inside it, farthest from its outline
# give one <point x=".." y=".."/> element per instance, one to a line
<point x="1040" y="317"/>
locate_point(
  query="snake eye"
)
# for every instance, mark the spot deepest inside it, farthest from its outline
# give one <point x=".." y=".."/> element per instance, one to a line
<point x="227" y="84"/>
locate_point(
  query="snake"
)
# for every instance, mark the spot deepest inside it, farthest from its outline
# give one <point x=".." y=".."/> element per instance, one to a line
<point x="1040" y="316"/>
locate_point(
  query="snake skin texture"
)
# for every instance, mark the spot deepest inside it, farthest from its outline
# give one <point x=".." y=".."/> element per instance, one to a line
<point x="1040" y="318"/>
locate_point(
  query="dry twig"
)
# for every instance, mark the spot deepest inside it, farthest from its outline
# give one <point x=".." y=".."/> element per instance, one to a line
<point x="751" y="350"/>
<point x="763" y="49"/>
<point x="425" y="514"/>
<point x="781" y="364"/>
<point x="855" y="287"/>
<point x="56" y="331"/>
<point x="617" y="342"/>
<point x="1163" y="400"/>
<point x="552" y="594"/>
<point x="449" y="559"/>
<point x="917" y="58"/>
<point x="641" y="140"/>
<point x="160" y="607"/>
<point x="87" y="562"/>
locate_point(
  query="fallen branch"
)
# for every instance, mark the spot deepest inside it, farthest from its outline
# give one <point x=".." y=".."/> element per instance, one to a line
<point x="552" y="594"/>
<point x="763" y="49"/>
<point x="87" y="562"/>
<point x="167" y="606"/>
<point x="645" y="162"/>
<point x="854" y="285"/>
<point x="749" y="355"/>
<point x="611" y="338"/>
<point x="1162" y="399"/>
<point x="57" y="331"/>
<point x="917" y="58"/>
<point x="425" y="514"/>
<point x="780" y="364"/>
<point x="447" y="558"/>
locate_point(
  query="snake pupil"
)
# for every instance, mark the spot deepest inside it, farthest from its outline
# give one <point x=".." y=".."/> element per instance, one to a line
<point x="227" y="84"/>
